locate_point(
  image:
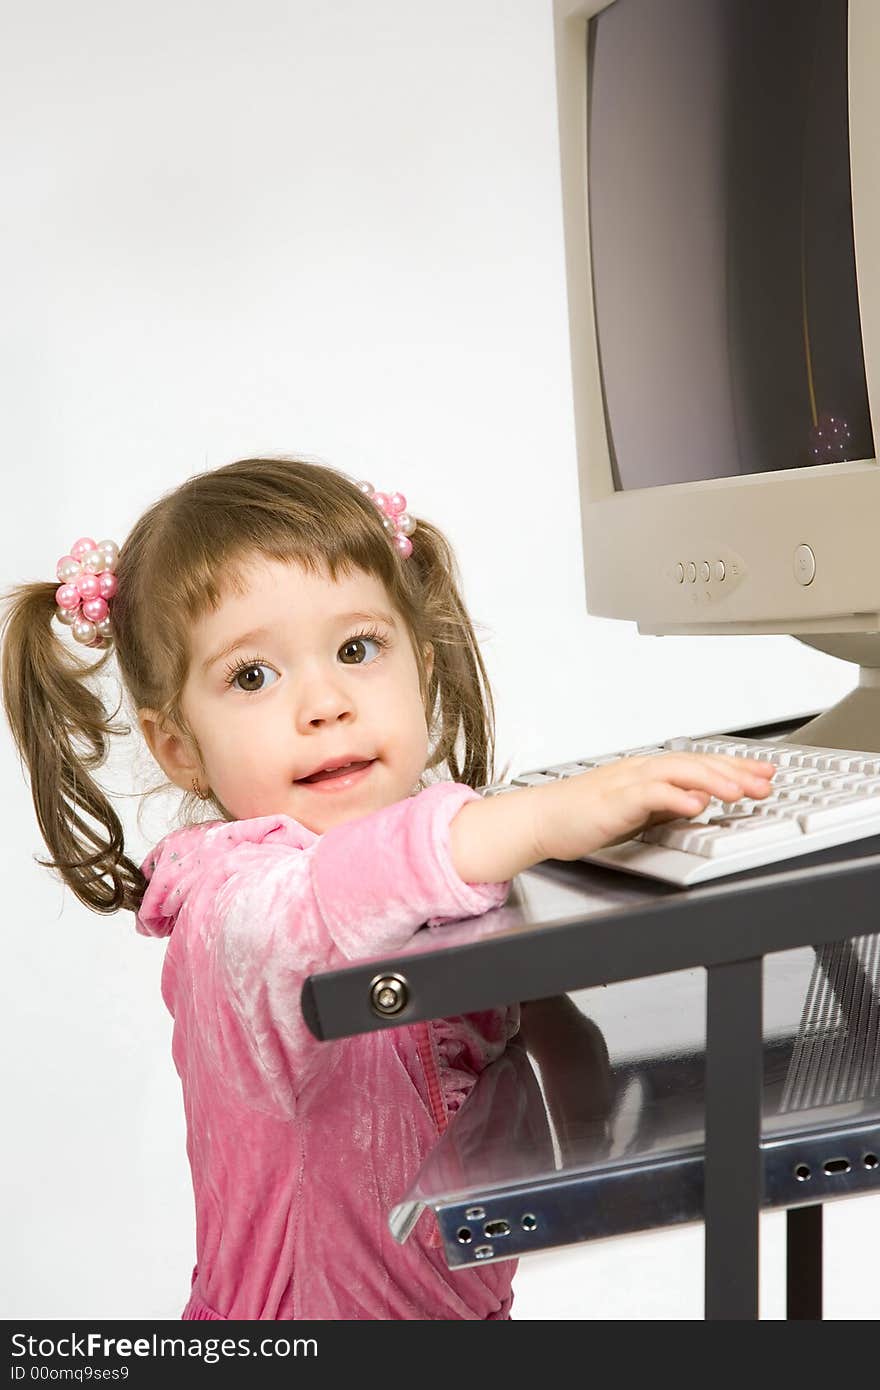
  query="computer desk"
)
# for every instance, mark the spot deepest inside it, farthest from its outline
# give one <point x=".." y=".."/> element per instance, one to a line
<point x="729" y="1061"/>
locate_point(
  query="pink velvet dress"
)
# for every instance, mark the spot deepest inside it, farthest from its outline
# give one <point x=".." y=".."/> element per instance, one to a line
<point x="298" y="1148"/>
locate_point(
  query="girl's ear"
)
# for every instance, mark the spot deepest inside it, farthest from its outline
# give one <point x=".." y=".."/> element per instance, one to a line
<point x="170" y="749"/>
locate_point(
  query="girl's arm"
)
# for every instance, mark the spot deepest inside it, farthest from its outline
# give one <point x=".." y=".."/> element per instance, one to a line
<point x="280" y="913"/>
<point x="376" y="880"/>
<point x="500" y="836"/>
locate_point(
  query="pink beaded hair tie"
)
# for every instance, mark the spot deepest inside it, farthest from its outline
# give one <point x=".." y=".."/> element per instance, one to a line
<point x="87" y="585"/>
<point x="395" y="518"/>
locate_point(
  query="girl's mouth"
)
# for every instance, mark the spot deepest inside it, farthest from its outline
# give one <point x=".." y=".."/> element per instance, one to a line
<point x="339" y="778"/>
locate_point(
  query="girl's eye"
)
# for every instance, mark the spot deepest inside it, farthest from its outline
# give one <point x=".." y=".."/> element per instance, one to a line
<point x="354" y="651"/>
<point x="251" y="672"/>
<point x="360" y="650"/>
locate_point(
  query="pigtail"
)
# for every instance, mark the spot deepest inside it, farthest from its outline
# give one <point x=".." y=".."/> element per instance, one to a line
<point x="459" y="704"/>
<point x="62" y="733"/>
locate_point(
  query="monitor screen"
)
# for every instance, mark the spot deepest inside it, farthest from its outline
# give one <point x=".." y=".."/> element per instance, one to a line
<point x="721" y="233"/>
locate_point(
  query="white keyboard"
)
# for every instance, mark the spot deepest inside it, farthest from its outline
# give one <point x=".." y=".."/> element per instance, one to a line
<point x="820" y="797"/>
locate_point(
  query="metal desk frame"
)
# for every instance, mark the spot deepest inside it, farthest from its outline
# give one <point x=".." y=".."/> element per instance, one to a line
<point x="726" y="926"/>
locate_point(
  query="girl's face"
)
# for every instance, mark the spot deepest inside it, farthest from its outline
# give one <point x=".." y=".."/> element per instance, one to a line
<point x="298" y="673"/>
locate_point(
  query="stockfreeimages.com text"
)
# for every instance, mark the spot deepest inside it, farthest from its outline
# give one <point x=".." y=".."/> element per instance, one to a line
<point x="210" y="1350"/>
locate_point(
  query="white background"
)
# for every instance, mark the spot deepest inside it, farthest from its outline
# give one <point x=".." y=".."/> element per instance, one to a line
<point x="332" y="229"/>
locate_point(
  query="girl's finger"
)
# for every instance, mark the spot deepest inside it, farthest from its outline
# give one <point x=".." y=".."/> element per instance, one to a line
<point x="666" y="799"/>
<point x="717" y="781"/>
<point x="750" y="765"/>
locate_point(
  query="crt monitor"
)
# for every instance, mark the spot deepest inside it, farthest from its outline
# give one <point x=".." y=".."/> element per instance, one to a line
<point x="721" y="201"/>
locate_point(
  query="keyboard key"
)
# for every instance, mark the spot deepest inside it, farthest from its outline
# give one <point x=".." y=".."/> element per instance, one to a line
<point x="780" y="757"/>
<point x="687" y="838"/>
<point x="746" y="837"/>
<point x="846" y="809"/>
<point x="840" y="781"/>
<point x="845" y="763"/>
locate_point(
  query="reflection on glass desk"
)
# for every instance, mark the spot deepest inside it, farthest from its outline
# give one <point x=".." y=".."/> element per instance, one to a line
<point x="604" y="1134"/>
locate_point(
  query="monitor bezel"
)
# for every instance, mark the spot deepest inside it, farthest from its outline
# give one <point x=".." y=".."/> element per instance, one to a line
<point x="642" y="546"/>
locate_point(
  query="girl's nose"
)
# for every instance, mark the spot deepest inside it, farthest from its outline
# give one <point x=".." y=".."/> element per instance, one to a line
<point x="322" y="700"/>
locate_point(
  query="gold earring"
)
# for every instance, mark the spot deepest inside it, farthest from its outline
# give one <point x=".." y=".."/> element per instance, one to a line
<point x="198" y="791"/>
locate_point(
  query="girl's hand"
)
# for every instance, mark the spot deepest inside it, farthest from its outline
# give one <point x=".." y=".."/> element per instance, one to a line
<point x="495" y="838"/>
<point x="580" y="814"/>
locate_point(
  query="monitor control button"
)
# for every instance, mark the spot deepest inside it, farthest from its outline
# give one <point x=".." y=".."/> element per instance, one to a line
<point x="704" y="571"/>
<point x="679" y="574"/>
<point x="718" y="569"/>
<point x="691" y="572"/>
<point x="804" y="565"/>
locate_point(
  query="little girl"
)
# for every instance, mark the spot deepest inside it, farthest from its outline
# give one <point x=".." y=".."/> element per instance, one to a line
<point x="297" y="655"/>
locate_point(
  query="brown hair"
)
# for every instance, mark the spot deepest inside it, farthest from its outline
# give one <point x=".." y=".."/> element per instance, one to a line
<point x="168" y="573"/>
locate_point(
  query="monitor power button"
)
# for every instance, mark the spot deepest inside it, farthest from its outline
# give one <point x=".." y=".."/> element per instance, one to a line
<point x="804" y="565"/>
